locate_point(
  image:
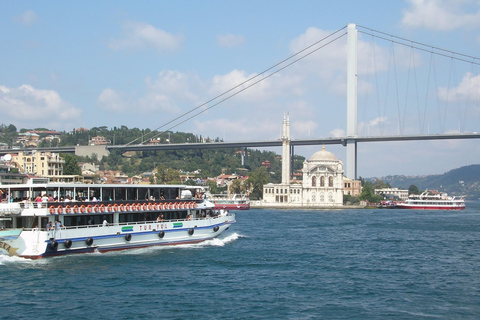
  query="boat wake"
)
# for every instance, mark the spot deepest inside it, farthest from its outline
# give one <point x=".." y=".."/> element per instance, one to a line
<point x="216" y="242"/>
<point x="5" y="260"/>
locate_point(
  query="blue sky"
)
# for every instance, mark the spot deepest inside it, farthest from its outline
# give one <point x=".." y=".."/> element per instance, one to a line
<point x="143" y="63"/>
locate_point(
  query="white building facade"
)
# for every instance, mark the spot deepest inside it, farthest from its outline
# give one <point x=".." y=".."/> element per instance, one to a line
<point x="322" y="184"/>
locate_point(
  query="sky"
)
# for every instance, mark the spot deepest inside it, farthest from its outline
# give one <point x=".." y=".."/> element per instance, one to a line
<point x="144" y="64"/>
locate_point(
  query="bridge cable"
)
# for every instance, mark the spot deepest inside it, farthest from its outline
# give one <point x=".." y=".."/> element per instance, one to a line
<point x="247" y="87"/>
<point x="246" y="81"/>
<point x="465" y="56"/>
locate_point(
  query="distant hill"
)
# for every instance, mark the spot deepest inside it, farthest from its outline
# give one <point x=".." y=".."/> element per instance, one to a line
<point x="462" y="181"/>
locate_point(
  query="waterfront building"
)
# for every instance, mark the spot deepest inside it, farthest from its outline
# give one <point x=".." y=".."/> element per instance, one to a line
<point x="392" y="193"/>
<point x="352" y="187"/>
<point x="43" y="164"/>
<point x="322" y="183"/>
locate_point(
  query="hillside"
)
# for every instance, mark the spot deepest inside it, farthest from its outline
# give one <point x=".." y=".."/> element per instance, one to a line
<point x="460" y="181"/>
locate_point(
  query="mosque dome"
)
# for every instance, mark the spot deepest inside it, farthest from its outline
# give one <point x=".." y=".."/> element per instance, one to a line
<point x="323" y="155"/>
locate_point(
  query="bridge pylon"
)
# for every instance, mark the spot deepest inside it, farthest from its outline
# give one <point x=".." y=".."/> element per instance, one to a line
<point x="352" y="53"/>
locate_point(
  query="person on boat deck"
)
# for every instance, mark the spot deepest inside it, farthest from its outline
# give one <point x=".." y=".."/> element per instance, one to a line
<point x="189" y="217"/>
<point x="160" y="218"/>
<point x="48" y="226"/>
<point x="58" y="225"/>
<point x="105" y="223"/>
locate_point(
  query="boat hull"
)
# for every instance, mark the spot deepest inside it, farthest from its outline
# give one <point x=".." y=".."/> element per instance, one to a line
<point x="35" y="244"/>
<point x="420" y="207"/>
<point x="232" y="206"/>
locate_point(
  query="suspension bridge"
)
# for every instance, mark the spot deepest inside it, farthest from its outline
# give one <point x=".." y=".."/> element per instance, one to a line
<point x="436" y="99"/>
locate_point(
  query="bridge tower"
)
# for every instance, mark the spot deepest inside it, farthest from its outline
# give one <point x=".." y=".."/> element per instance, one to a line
<point x="351" y="167"/>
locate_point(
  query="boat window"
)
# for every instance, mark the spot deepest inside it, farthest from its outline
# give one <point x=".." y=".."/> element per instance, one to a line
<point x="120" y="194"/>
<point x="84" y="220"/>
<point x="27" y="222"/>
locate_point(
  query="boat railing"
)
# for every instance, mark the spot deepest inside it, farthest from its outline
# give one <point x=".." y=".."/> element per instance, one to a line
<point x="133" y="223"/>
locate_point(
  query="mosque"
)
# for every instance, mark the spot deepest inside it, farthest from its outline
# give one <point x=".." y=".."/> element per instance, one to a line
<point x="322" y="184"/>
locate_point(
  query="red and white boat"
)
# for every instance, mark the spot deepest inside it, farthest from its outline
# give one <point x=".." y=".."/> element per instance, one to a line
<point x="432" y="200"/>
<point x="230" y="202"/>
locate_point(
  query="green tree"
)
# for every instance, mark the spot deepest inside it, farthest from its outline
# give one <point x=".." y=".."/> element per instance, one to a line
<point x="212" y="186"/>
<point x="237" y="187"/>
<point x="71" y="165"/>
<point x="368" y="193"/>
<point x="255" y="182"/>
<point x="173" y="176"/>
<point x="413" y="189"/>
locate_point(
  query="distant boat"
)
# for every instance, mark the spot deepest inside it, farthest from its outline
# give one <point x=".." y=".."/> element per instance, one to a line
<point x="83" y="218"/>
<point x="432" y="200"/>
<point x="230" y="202"/>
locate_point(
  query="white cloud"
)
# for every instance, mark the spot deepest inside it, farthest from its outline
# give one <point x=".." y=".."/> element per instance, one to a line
<point x="138" y="35"/>
<point x="27" y="18"/>
<point x="466" y="91"/>
<point x="442" y="14"/>
<point x="230" y="40"/>
<point x="112" y="101"/>
<point x="377" y="121"/>
<point x="35" y="107"/>
<point x="338" y="133"/>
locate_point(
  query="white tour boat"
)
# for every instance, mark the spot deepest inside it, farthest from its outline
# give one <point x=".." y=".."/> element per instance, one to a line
<point x="432" y="200"/>
<point x="43" y="220"/>
<point x="230" y="202"/>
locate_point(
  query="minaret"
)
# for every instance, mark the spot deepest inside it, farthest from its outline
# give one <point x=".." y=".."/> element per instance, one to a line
<point x="286" y="150"/>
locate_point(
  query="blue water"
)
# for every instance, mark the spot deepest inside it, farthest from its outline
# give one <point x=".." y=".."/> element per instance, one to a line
<point x="272" y="264"/>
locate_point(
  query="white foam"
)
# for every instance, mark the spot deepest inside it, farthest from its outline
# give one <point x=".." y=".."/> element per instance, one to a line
<point x="4" y="260"/>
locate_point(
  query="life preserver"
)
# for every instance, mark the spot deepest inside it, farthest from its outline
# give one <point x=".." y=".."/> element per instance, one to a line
<point x="67" y="209"/>
<point x="196" y="205"/>
<point x="89" y="209"/>
<point x="59" y="209"/>
<point x="215" y="229"/>
<point x="75" y="209"/>
<point x="52" y="210"/>
<point x="67" y="243"/>
<point x="191" y="231"/>
<point x="82" y="208"/>
<point x="121" y="207"/>
<point x="53" y="245"/>
<point x="161" y="234"/>
<point x="102" y="208"/>
<point x="115" y="207"/>
<point x="155" y="206"/>
<point x="143" y="206"/>
<point x="149" y="206"/>
<point x="139" y="206"/>
<point x="128" y="237"/>
<point x="133" y="206"/>
<point x="127" y="207"/>
<point x="109" y="207"/>
<point x="89" y="241"/>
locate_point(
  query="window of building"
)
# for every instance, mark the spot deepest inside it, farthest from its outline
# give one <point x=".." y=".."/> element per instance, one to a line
<point x="314" y="181"/>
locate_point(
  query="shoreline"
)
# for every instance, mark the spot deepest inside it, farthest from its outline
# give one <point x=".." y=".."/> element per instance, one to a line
<point x="306" y="207"/>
